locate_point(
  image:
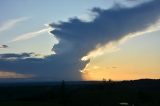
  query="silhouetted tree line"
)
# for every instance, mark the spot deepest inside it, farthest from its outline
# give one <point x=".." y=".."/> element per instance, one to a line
<point x="94" y="93"/>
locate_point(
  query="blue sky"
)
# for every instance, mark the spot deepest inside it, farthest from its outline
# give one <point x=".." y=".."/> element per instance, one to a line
<point x="37" y="14"/>
<point x="78" y="30"/>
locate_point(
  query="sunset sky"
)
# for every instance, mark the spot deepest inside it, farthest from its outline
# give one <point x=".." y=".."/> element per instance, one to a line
<point x="54" y="40"/>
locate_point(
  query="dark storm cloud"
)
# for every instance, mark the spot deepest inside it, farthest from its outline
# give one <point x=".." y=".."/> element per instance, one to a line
<point x="110" y="25"/>
<point x="77" y="38"/>
<point x="52" y="67"/>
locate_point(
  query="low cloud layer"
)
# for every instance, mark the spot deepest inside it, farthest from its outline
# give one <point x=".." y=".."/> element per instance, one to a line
<point x="8" y="75"/>
<point x="77" y="38"/>
<point x="3" y="46"/>
<point x="13" y="56"/>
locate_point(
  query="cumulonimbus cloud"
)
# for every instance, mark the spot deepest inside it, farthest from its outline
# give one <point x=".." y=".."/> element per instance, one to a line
<point x="77" y="38"/>
<point x="11" y="23"/>
<point x="110" y="28"/>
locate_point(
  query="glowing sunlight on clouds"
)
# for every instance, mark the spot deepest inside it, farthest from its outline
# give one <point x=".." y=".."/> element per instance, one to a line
<point x="113" y="46"/>
<point x="91" y="72"/>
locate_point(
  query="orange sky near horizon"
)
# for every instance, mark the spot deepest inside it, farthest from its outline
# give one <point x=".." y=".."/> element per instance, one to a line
<point x="137" y="58"/>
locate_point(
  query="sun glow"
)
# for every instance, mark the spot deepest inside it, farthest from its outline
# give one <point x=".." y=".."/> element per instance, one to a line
<point x="92" y="72"/>
<point x="128" y="69"/>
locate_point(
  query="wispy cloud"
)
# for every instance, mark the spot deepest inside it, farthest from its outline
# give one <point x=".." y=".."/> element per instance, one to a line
<point x="11" y="23"/>
<point x="7" y="74"/>
<point x="31" y="35"/>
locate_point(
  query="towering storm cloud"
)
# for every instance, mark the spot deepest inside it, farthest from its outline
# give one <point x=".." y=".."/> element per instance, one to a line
<point x="77" y="38"/>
